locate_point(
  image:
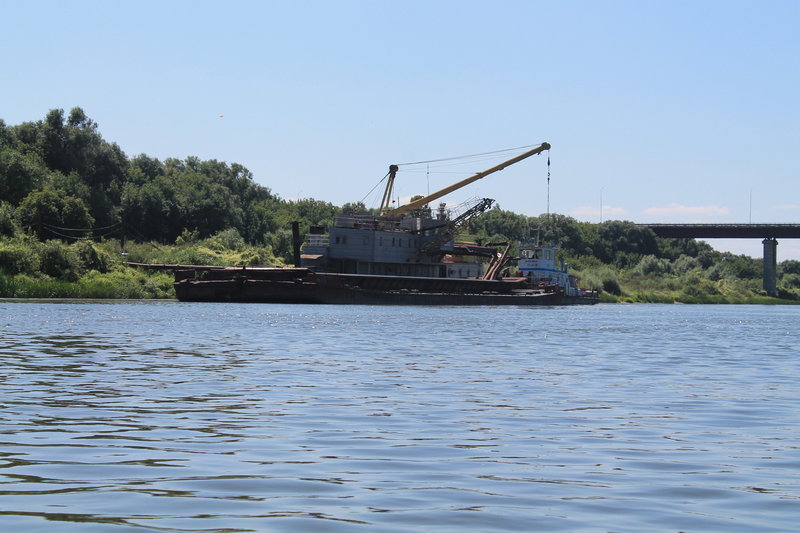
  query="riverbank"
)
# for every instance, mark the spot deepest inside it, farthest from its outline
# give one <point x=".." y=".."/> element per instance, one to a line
<point x="134" y="285"/>
<point x="86" y="270"/>
<point x="653" y="298"/>
<point x="125" y="284"/>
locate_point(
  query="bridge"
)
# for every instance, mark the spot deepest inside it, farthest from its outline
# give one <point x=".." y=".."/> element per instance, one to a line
<point x="770" y="233"/>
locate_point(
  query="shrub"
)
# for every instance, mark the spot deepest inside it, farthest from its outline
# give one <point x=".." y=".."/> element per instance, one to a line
<point x="684" y="264"/>
<point x="702" y="287"/>
<point x="604" y="278"/>
<point x="611" y="286"/>
<point x="791" y="281"/>
<point x="651" y="265"/>
<point x="790" y="266"/>
<point x="228" y="239"/>
<point x="59" y="261"/>
<point x="92" y="258"/>
<point x="785" y="294"/>
<point x="24" y="286"/>
<point x="8" y="225"/>
<point x="18" y="257"/>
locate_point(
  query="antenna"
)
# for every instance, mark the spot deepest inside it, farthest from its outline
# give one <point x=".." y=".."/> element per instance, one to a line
<point x="750" y="216"/>
<point x="428" y="177"/>
<point x="548" y="185"/>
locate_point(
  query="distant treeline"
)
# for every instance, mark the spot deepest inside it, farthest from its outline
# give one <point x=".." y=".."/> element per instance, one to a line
<point x="59" y="175"/>
<point x="62" y="183"/>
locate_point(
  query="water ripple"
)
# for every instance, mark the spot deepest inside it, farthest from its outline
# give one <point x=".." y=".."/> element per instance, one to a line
<point x="220" y="418"/>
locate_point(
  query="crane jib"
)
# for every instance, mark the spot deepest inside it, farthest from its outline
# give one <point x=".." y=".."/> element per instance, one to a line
<point x="447" y="190"/>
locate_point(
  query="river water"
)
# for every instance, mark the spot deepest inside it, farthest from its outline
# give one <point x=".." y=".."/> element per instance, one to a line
<point x="177" y="417"/>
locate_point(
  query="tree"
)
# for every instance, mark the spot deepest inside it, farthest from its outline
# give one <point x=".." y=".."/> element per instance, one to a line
<point x="564" y="230"/>
<point x="616" y="237"/>
<point x="19" y="174"/>
<point x="144" y="168"/>
<point x="8" y="225"/>
<point x="497" y="222"/>
<point x="47" y="211"/>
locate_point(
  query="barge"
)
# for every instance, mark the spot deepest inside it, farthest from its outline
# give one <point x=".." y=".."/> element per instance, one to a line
<point x="403" y="256"/>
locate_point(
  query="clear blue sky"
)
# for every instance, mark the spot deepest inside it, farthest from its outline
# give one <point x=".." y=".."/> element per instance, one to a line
<point x="669" y="111"/>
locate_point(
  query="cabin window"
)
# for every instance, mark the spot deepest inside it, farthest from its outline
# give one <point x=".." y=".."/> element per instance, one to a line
<point x="392" y="241"/>
<point x="380" y="241"/>
<point x="366" y="239"/>
<point x="337" y="239"/>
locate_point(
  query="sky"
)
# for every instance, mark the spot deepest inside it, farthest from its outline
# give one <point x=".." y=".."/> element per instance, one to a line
<point x="657" y="111"/>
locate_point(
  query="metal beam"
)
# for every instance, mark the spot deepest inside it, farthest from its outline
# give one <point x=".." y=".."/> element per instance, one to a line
<point x="726" y="231"/>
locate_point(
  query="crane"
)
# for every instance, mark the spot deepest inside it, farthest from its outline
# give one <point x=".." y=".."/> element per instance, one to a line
<point x="403" y="209"/>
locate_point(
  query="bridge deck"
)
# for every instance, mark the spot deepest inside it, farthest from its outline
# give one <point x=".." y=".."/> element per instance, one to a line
<point x="726" y="231"/>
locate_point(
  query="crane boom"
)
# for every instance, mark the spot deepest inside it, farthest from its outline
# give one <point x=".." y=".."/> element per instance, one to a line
<point x="447" y="190"/>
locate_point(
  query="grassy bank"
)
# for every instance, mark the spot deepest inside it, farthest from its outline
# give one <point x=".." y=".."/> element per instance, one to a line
<point x="692" y="286"/>
<point x="122" y="284"/>
<point x="98" y="270"/>
<point x="52" y="269"/>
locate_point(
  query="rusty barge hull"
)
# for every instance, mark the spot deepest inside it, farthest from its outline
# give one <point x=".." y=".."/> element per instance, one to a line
<point x="299" y="285"/>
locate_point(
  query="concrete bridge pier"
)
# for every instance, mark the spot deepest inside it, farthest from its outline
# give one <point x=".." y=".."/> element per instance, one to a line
<point x="770" y="266"/>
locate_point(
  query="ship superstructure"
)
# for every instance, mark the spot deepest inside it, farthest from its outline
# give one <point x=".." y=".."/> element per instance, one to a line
<point x="408" y="240"/>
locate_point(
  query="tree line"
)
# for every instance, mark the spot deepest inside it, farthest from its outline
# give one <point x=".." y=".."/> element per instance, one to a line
<point x="58" y="176"/>
<point x="60" y="180"/>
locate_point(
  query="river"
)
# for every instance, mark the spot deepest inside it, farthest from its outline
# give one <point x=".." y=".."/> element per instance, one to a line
<point x="177" y="417"/>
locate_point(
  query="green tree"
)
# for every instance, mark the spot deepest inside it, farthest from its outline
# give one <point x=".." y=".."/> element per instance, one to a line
<point x="144" y="169"/>
<point x="566" y="231"/>
<point x="497" y="222"/>
<point x="790" y="266"/>
<point x="617" y="239"/>
<point x="73" y="144"/>
<point x="8" y="224"/>
<point x="259" y="220"/>
<point x="19" y="174"/>
<point x="47" y="210"/>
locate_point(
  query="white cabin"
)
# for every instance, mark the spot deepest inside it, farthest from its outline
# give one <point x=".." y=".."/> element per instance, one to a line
<point x="538" y="263"/>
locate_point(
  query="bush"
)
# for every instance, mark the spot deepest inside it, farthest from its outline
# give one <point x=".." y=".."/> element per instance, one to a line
<point x="604" y="278"/>
<point x="716" y="272"/>
<point x="24" y="286"/>
<point x="790" y="266"/>
<point x="126" y="284"/>
<point x="19" y="257"/>
<point x="59" y="261"/>
<point x="228" y="239"/>
<point x="280" y="243"/>
<point x="651" y="265"/>
<point x="702" y="287"/>
<point x="92" y="258"/>
<point x="791" y="281"/>
<point x="684" y="264"/>
<point x="785" y="294"/>
<point x="8" y="225"/>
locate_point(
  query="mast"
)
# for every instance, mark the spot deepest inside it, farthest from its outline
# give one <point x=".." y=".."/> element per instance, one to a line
<point x="387" y="194"/>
